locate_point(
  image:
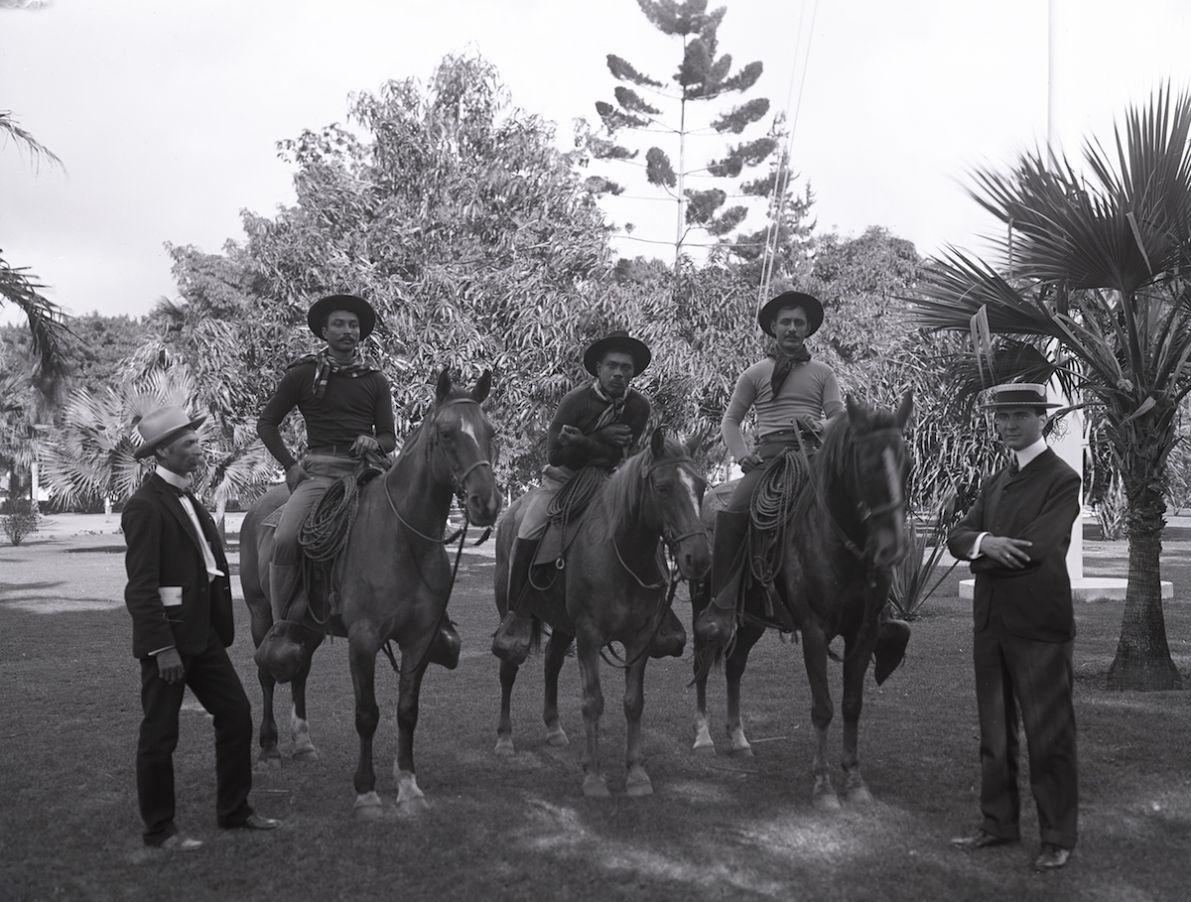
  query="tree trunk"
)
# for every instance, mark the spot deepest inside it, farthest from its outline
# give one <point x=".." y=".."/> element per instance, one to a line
<point x="1143" y="659"/>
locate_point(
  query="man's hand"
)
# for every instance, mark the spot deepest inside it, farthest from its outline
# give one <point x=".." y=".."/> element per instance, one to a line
<point x="1008" y="552"/>
<point x="169" y="665"/>
<point x="616" y="434"/>
<point x="751" y="461"/>
<point x="295" y="475"/>
<point x="569" y="435"/>
<point x="364" y="444"/>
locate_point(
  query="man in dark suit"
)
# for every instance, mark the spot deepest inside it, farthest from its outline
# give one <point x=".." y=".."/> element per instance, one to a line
<point x="1016" y="536"/>
<point x="180" y="599"/>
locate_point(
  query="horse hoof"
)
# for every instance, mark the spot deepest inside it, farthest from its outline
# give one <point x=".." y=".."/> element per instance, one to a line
<point x="596" y="787"/>
<point x="826" y="801"/>
<point x="703" y="746"/>
<point x="557" y="738"/>
<point x="269" y="760"/>
<point x="741" y="751"/>
<point x="412" y="807"/>
<point x="368" y="807"/>
<point x="638" y="784"/>
<point x="859" y="796"/>
<point x="504" y="746"/>
<point x="306" y="753"/>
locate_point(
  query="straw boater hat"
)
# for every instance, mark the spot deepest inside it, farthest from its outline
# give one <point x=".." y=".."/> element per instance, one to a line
<point x="1017" y="394"/>
<point x="617" y="341"/>
<point x="814" y="310"/>
<point x="324" y="307"/>
<point x="158" y="426"/>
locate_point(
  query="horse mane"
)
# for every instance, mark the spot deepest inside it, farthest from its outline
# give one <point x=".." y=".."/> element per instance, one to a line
<point x="417" y="433"/>
<point x="622" y="492"/>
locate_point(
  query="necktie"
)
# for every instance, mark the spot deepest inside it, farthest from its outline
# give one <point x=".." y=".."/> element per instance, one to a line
<point x="1013" y="466"/>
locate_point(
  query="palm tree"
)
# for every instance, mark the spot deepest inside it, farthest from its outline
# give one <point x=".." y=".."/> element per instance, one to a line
<point x="51" y="336"/>
<point x="1097" y="263"/>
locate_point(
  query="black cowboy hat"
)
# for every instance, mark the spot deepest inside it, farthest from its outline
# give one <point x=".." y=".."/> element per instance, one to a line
<point x="814" y="310"/>
<point x="1017" y="394"/>
<point x="158" y="426"/>
<point x="617" y="341"/>
<point x="317" y="315"/>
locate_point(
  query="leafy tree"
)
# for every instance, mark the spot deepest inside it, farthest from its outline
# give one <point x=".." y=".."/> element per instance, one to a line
<point x="1096" y="262"/>
<point x="51" y="336"/>
<point x="703" y="76"/>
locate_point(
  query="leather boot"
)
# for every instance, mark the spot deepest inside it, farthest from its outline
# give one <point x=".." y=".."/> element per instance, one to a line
<point x="670" y="638"/>
<point x="717" y="623"/>
<point x="892" y="638"/>
<point x="280" y="652"/>
<point x="444" y="648"/>
<point x="513" y="637"/>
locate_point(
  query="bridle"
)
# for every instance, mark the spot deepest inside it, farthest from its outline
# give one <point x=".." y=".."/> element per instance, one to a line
<point x="671" y="541"/>
<point x="864" y="512"/>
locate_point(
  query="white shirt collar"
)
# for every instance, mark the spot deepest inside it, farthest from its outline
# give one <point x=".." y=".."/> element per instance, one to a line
<point x="177" y="480"/>
<point x="1025" y="455"/>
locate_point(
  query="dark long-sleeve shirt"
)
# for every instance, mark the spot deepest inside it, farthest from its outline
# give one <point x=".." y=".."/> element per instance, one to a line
<point x="581" y="408"/>
<point x="350" y="407"/>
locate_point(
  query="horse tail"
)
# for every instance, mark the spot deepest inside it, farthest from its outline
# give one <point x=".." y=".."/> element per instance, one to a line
<point x="535" y="635"/>
<point x="707" y="658"/>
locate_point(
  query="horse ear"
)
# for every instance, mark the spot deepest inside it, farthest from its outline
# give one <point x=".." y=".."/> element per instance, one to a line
<point x="904" y="409"/>
<point x="657" y="443"/>
<point x="444" y="385"/>
<point x="480" y="392"/>
<point x="693" y="443"/>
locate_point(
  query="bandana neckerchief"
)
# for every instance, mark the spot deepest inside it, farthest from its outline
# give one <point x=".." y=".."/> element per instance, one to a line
<point x="782" y="364"/>
<point x="326" y="366"/>
<point x="611" y="413"/>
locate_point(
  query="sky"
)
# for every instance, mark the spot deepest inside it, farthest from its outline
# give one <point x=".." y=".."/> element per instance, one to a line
<point x="166" y="114"/>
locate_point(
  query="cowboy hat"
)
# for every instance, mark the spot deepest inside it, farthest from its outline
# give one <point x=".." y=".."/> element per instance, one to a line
<point x="617" y="341"/>
<point x="1017" y="394"/>
<point x="316" y="317"/>
<point x="814" y="311"/>
<point x="158" y="426"/>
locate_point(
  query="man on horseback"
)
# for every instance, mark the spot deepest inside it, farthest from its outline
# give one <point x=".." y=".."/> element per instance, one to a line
<point x="597" y="424"/>
<point x="793" y="396"/>
<point x="346" y="405"/>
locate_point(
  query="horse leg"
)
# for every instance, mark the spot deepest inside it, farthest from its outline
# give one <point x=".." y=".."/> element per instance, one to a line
<point x="814" y="653"/>
<point x="409" y="689"/>
<point x="595" y="785"/>
<point x="261" y="619"/>
<point x="504" y="729"/>
<point x="855" y="668"/>
<point x="556" y="654"/>
<point x="700" y="590"/>
<point x="299" y="727"/>
<point x="362" y="657"/>
<point x="638" y="782"/>
<point x="747" y="635"/>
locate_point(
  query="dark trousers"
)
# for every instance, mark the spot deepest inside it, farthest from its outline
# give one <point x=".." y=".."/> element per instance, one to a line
<point x="214" y="682"/>
<point x="1034" y="679"/>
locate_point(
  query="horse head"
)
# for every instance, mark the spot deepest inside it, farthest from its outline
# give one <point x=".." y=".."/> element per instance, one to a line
<point x="673" y="494"/>
<point x="462" y="445"/>
<point x="879" y="471"/>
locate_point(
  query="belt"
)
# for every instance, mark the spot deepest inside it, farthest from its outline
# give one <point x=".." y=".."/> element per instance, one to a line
<point x="782" y="435"/>
<point x="333" y="450"/>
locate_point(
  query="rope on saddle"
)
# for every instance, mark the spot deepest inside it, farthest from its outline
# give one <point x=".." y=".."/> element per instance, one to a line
<point x="573" y="498"/>
<point x="771" y="511"/>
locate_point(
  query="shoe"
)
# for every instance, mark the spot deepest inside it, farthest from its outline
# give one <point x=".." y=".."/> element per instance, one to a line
<point x="513" y="638"/>
<point x="256" y="821"/>
<point x="892" y="638"/>
<point x="670" y="639"/>
<point x="281" y="653"/>
<point x="179" y="843"/>
<point x="981" y="839"/>
<point x="444" y="648"/>
<point x="1051" y="857"/>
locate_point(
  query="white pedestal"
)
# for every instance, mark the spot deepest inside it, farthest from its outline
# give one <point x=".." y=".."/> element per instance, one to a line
<point x="1086" y="588"/>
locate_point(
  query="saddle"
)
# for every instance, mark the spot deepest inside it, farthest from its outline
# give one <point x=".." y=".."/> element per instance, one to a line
<point x="565" y="515"/>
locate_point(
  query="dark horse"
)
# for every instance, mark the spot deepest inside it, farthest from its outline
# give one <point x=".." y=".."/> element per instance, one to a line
<point x="394" y="577"/>
<point x="846" y="533"/>
<point x="613" y="589"/>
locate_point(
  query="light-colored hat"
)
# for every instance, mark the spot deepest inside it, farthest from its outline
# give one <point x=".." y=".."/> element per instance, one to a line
<point x="159" y="426"/>
<point x="1017" y="394"/>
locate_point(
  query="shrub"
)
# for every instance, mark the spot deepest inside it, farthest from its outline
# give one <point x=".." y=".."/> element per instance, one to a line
<point x="1111" y="508"/>
<point x="912" y="578"/>
<point x="19" y="521"/>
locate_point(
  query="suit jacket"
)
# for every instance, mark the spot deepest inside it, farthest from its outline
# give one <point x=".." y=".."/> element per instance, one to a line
<point x="1039" y="503"/>
<point x="163" y="550"/>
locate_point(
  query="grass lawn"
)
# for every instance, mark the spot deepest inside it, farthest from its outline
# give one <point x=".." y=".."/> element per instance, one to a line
<point x="717" y="827"/>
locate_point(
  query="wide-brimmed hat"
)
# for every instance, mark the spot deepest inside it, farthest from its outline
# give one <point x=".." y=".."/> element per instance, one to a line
<point x="809" y="303"/>
<point x="324" y="307"/>
<point x="1017" y="394"/>
<point x="158" y="426"/>
<point x="617" y="341"/>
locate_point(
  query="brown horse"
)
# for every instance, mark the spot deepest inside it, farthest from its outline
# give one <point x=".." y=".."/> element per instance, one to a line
<point x="846" y="534"/>
<point x="394" y="578"/>
<point x="613" y="589"/>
